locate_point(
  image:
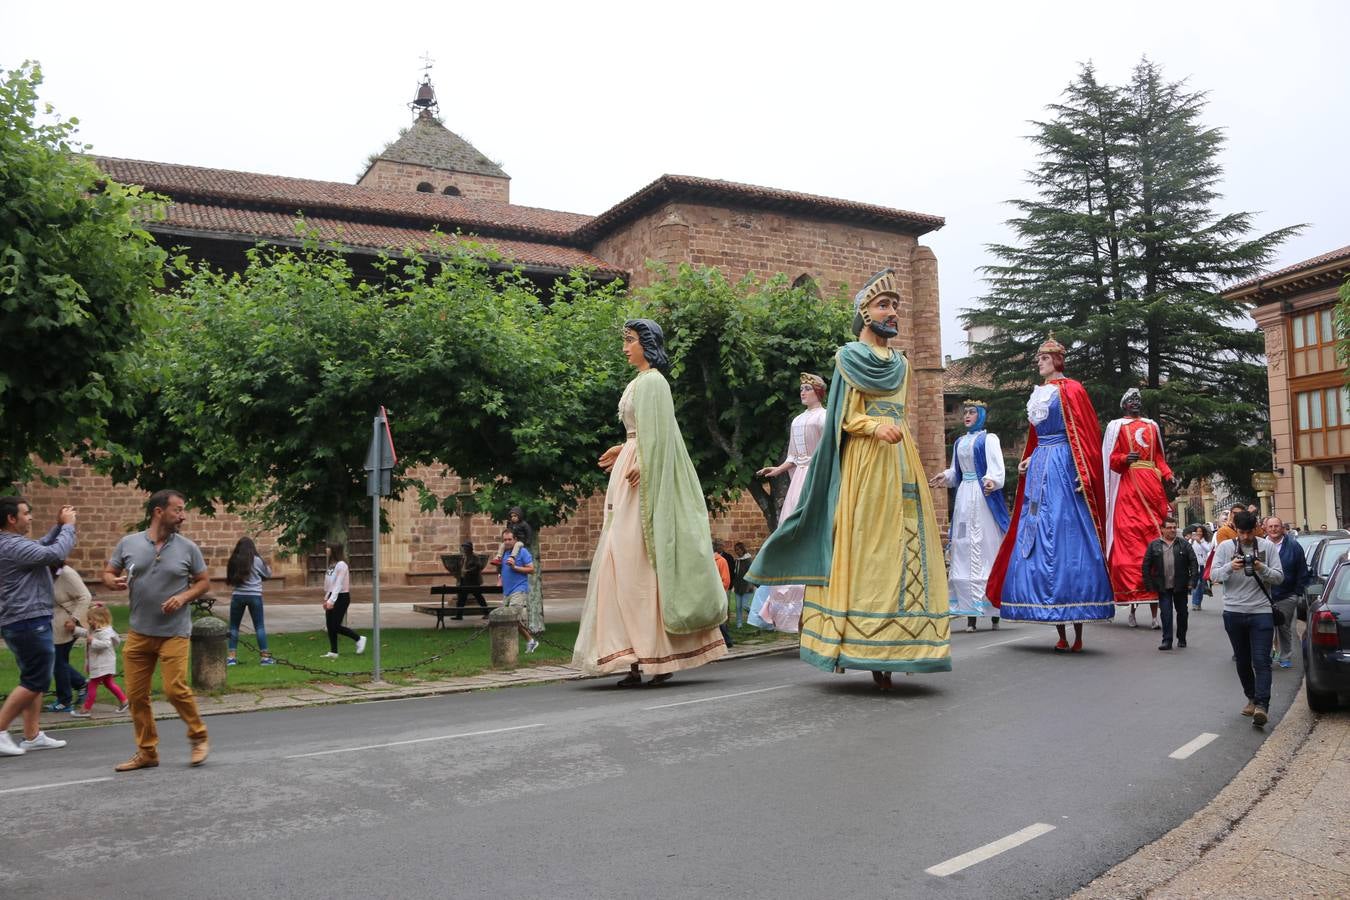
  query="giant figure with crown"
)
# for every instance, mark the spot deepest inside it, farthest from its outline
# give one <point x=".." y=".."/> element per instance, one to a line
<point x="1051" y="568"/>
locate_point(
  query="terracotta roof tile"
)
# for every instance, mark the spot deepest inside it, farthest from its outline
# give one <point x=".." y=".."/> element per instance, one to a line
<point x="1307" y="264"/>
<point x="206" y="220"/>
<point x="339" y="199"/>
<point x="672" y="186"/>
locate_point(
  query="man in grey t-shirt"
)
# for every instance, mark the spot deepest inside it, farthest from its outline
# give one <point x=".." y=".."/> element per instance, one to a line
<point x="164" y="572"/>
<point x="1246" y="608"/>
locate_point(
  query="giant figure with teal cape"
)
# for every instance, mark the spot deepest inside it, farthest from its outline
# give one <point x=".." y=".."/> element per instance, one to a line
<point x="654" y="599"/>
<point x="864" y="539"/>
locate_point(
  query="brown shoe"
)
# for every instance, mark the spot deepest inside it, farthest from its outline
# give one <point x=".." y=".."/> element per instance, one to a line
<point x="1260" y="717"/>
<point x="200" y="750"/>
<point x="1249" y="709"/>
<point x="138" y="761"/>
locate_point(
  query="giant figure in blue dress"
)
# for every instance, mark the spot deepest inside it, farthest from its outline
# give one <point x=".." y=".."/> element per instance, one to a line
<point x="1051" y="568"/>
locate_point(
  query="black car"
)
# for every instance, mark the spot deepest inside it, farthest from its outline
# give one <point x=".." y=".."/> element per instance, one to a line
<point x="1326" y="643"/>
<point x="1323" y="550"/>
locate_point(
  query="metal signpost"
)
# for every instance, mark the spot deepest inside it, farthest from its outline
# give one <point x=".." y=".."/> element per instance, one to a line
<point x="380" y="459"/>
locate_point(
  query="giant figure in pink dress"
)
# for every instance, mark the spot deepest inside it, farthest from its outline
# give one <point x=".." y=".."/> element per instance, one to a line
<point x="779" y="607"/>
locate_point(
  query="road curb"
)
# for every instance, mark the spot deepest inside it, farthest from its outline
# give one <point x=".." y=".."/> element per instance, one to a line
<point x="1185" y="847"/>
<point x="366" y="692"/>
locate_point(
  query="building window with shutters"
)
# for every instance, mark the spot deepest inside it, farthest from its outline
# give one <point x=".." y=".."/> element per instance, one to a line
<point x="1322" y="424"/>
<point x="1312" y="341"/>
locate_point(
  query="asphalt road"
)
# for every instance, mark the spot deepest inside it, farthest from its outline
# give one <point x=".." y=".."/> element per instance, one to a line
<point x="753" y="778"/>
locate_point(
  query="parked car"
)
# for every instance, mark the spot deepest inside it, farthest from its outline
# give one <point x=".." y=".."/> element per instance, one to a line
<point x="1326" y="643"/>
<point x="1309" y="540"/>
<point x="1326" y="552"/>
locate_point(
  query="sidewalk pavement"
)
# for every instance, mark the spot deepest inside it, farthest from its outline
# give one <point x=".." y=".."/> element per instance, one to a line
<point x="1281" y="828"/>
<point x="325" y="693"/>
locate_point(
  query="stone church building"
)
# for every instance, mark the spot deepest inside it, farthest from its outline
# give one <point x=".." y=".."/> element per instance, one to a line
<point x="430" y="180"/>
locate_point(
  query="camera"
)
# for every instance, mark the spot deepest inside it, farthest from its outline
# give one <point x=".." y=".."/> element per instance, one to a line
<point x="1249" y="564"/>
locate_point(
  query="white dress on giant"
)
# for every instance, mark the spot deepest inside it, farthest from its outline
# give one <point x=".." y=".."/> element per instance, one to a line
<point x="780" y="607"/>
<point x="975" y="536"/>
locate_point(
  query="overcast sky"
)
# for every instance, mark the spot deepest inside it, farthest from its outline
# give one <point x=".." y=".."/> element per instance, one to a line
<point x="920" y="106"/>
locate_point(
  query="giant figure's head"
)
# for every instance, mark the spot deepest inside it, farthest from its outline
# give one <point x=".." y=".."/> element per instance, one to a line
<point x="1050" y="357"/>
<point x="877" y="306"/>
<point x="973" y="413"/>
<point x="1132" y="403"/>
<point x="652" y="340"/>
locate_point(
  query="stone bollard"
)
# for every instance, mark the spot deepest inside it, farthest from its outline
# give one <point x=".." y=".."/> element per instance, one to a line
<point x="504" y="635"/>
<point x="209" y="636"/>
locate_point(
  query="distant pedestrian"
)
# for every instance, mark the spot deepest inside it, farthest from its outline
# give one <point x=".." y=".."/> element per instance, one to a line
<point x="70" y="605"/>
<point x="245" y="572"/>
<point x="516" y="569"/>
<point x="470" y="574"/>
<point x="1168" y="568"/>
<point x="164" y="573"/>
<point x="528" y="537"/>
<point x="26" y="616"/>
<point x="337" y="596"/>
<point x="1244" y="566"/>
<point x="723" y="562"/>
<point x="1285" y="594"/>
<point x="1203" y="548"/>
<point x="744" y="591"/>
<point x="100" y="654"/>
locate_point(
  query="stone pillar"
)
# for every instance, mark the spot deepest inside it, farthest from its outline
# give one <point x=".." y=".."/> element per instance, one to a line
<point x="504" y="636"/>
<point x="926" y="416"/>
<point x="208" y="646"/>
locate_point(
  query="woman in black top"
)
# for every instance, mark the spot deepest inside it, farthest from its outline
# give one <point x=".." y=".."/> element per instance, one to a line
<point x="471" y="572"/>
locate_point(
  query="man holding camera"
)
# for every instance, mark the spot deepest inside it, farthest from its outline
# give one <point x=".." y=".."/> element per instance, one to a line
<point x="1245" y="565"/>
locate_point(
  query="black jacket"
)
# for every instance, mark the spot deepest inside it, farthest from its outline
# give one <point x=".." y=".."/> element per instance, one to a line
<point x="1185" y="567"/>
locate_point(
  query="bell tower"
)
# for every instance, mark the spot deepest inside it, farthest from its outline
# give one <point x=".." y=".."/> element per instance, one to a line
<point x="430" y="158"/>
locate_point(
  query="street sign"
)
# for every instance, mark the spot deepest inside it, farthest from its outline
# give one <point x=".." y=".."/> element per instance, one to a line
<point x="1263" y="481"/>
<point x="380" y="457"/>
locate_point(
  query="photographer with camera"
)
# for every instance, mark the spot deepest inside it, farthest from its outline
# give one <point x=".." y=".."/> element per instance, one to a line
<point x="1245" y="565"/>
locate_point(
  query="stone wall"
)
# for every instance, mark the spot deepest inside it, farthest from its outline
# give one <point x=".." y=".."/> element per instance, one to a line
<point x="401" y="176"/>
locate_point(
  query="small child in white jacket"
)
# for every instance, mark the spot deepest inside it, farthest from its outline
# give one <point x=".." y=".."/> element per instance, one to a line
<point x="100" y="657"/>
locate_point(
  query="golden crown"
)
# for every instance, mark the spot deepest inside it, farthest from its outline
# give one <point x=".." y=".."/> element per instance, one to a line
<point x="979" y="403"/>
<point x="1051" y="345"/>
<point x="814" y="380"/>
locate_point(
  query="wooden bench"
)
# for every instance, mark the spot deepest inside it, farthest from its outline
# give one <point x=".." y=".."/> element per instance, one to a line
<point x="457" y="591"/>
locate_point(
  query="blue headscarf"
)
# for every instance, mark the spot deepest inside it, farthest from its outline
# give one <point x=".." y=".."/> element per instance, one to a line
<point x="980" y="414"/>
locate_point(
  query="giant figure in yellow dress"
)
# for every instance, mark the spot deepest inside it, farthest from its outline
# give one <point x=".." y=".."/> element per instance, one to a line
<point x="864" y="539"/>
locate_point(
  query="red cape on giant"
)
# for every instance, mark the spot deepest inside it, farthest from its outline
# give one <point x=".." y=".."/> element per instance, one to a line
<point x="1085" y="441"/>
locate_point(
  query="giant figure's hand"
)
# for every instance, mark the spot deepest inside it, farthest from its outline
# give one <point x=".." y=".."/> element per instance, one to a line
<point x="1023" y="466"/>
<point x="609" y="456"/>
<point x="634" y="475"/>
<point x="938" y="480"/>
<point x="891" y="434"/>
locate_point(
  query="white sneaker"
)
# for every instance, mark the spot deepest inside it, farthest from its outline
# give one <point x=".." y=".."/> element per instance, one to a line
<point x="329" y="655"/>
<point x="42" y="742"/>
<point x="360" y="645"/>
<point x="1133" y="622"/>
<point x="1156" y="626"/>
<point x="8" y="747"/>
<point x="531" y="646"/>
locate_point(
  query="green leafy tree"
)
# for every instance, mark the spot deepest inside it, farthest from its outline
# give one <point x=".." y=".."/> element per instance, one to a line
<point x="77" y="281"/>
<point x="736" y="351"/>
<point x="258" y="392"/>
<point x="1122" y="254"/>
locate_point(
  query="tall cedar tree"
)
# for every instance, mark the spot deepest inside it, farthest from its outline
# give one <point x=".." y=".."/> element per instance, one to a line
<point x="1122" y="255"/>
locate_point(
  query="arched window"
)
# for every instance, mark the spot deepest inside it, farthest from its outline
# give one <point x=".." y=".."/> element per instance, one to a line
<point x="426" y="188"/>
<point x="451" y="191"/>
<point x="807" y="283"/>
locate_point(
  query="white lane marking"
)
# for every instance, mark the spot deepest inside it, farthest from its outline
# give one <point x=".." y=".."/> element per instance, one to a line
<point x="980" y="854"/>
<point x="1190" y="747"/>
<point x="718" y="697"/>
<point x="440" y="737"/>
<point x="43" y="787"/>
<point x="1001" y="643"/>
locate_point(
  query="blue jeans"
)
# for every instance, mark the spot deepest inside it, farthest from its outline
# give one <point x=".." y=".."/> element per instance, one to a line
<point x="253" y="603"/>
<point x="1198" y="594"/>
<point x="31" y="643"/>
<point x="743" y="602"/>
<point x="1251" y="635"/>
<point x="68" y="678"/>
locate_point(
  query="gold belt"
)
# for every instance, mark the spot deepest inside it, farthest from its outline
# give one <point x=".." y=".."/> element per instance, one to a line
<point x="1143" y="464"/>
<point x="632" y="434"/>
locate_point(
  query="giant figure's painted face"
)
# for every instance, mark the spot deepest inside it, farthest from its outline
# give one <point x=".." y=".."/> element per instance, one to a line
<point x="882" y="315"/>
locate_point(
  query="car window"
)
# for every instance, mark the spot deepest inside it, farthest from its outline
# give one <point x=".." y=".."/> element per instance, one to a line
<point x="1309" y="542"/>
<point x="1331" y="553"/>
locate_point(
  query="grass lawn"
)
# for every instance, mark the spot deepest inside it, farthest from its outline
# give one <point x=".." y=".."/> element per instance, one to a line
<point x="398" y="647"/>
